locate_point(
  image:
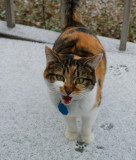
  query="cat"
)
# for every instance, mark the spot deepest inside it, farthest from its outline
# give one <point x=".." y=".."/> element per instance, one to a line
<point x="75" y="73"/>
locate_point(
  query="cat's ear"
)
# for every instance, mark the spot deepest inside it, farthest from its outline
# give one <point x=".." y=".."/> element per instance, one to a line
<point x="94" y="61"/>
<point x="51" y="55"/>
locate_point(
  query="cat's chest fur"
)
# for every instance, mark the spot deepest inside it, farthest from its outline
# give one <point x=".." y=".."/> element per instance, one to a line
<point x="81" y="107"/>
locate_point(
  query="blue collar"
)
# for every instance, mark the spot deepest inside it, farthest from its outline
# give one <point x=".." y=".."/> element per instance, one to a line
<point x="63" y="109"/>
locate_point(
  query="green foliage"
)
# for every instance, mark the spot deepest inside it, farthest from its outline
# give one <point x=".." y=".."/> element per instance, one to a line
<point x="2" y="10"/>
<point x="132" y="28"/>
<point x="3" y="14"/>
<point x="55" y="0"/>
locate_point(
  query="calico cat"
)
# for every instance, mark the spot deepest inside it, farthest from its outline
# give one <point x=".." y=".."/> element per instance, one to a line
<point x="75" y="73"/>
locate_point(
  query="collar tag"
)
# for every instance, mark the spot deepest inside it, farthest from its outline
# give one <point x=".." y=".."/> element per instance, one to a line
<point x="63" y="109"/>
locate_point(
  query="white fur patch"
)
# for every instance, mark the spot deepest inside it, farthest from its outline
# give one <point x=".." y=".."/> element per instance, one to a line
<point x="84" y="104"/>
<point x="54" y="91"/>
<point x="58" y="84"/>
<point x="80" y="105"/>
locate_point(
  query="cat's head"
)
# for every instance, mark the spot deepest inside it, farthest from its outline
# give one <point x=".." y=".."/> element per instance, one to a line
<point x="70" y="76"/>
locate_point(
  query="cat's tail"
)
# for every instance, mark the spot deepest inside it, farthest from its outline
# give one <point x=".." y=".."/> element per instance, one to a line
<point x="69" y="14"/>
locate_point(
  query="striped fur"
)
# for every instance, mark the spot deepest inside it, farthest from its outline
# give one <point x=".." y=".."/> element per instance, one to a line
<point x="70" y="12"/>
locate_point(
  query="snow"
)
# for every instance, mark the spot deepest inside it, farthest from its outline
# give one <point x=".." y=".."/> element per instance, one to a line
<point x="31" y="128"/>
<point x="29" y="33"/>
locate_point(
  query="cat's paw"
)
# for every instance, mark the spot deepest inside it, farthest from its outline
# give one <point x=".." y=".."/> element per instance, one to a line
<point x="70" y="135"/>
<point x="87" y="139"/>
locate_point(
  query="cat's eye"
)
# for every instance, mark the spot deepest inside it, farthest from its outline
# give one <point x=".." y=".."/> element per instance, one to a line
<point x="79" y="80"/>
<point x="60" y="78"/>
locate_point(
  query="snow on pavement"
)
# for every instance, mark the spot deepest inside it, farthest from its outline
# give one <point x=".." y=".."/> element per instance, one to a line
<point x="30" y="127"/>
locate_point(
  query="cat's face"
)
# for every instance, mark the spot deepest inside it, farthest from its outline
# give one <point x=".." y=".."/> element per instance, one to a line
<point x="70" y="76"/>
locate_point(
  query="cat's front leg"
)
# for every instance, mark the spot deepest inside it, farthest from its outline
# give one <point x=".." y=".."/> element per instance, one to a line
<point x="71" y="132"/>
<point x="87" y="135"/>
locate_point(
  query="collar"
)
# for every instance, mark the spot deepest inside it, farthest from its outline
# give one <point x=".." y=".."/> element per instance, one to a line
<point x="63" y="109"/>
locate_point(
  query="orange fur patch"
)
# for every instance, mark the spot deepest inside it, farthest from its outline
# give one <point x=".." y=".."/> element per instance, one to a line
<point x="76" y="57"/>
<point x="91" y="46"/>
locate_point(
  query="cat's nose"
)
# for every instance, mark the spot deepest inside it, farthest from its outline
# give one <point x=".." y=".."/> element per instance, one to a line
<point x="68" y="90"/>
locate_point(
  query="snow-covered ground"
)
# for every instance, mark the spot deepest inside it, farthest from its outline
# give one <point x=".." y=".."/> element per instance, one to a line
<point x="30" y="127"/>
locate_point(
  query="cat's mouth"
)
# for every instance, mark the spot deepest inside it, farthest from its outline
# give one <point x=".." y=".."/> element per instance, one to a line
<point x="66" y="99"/>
